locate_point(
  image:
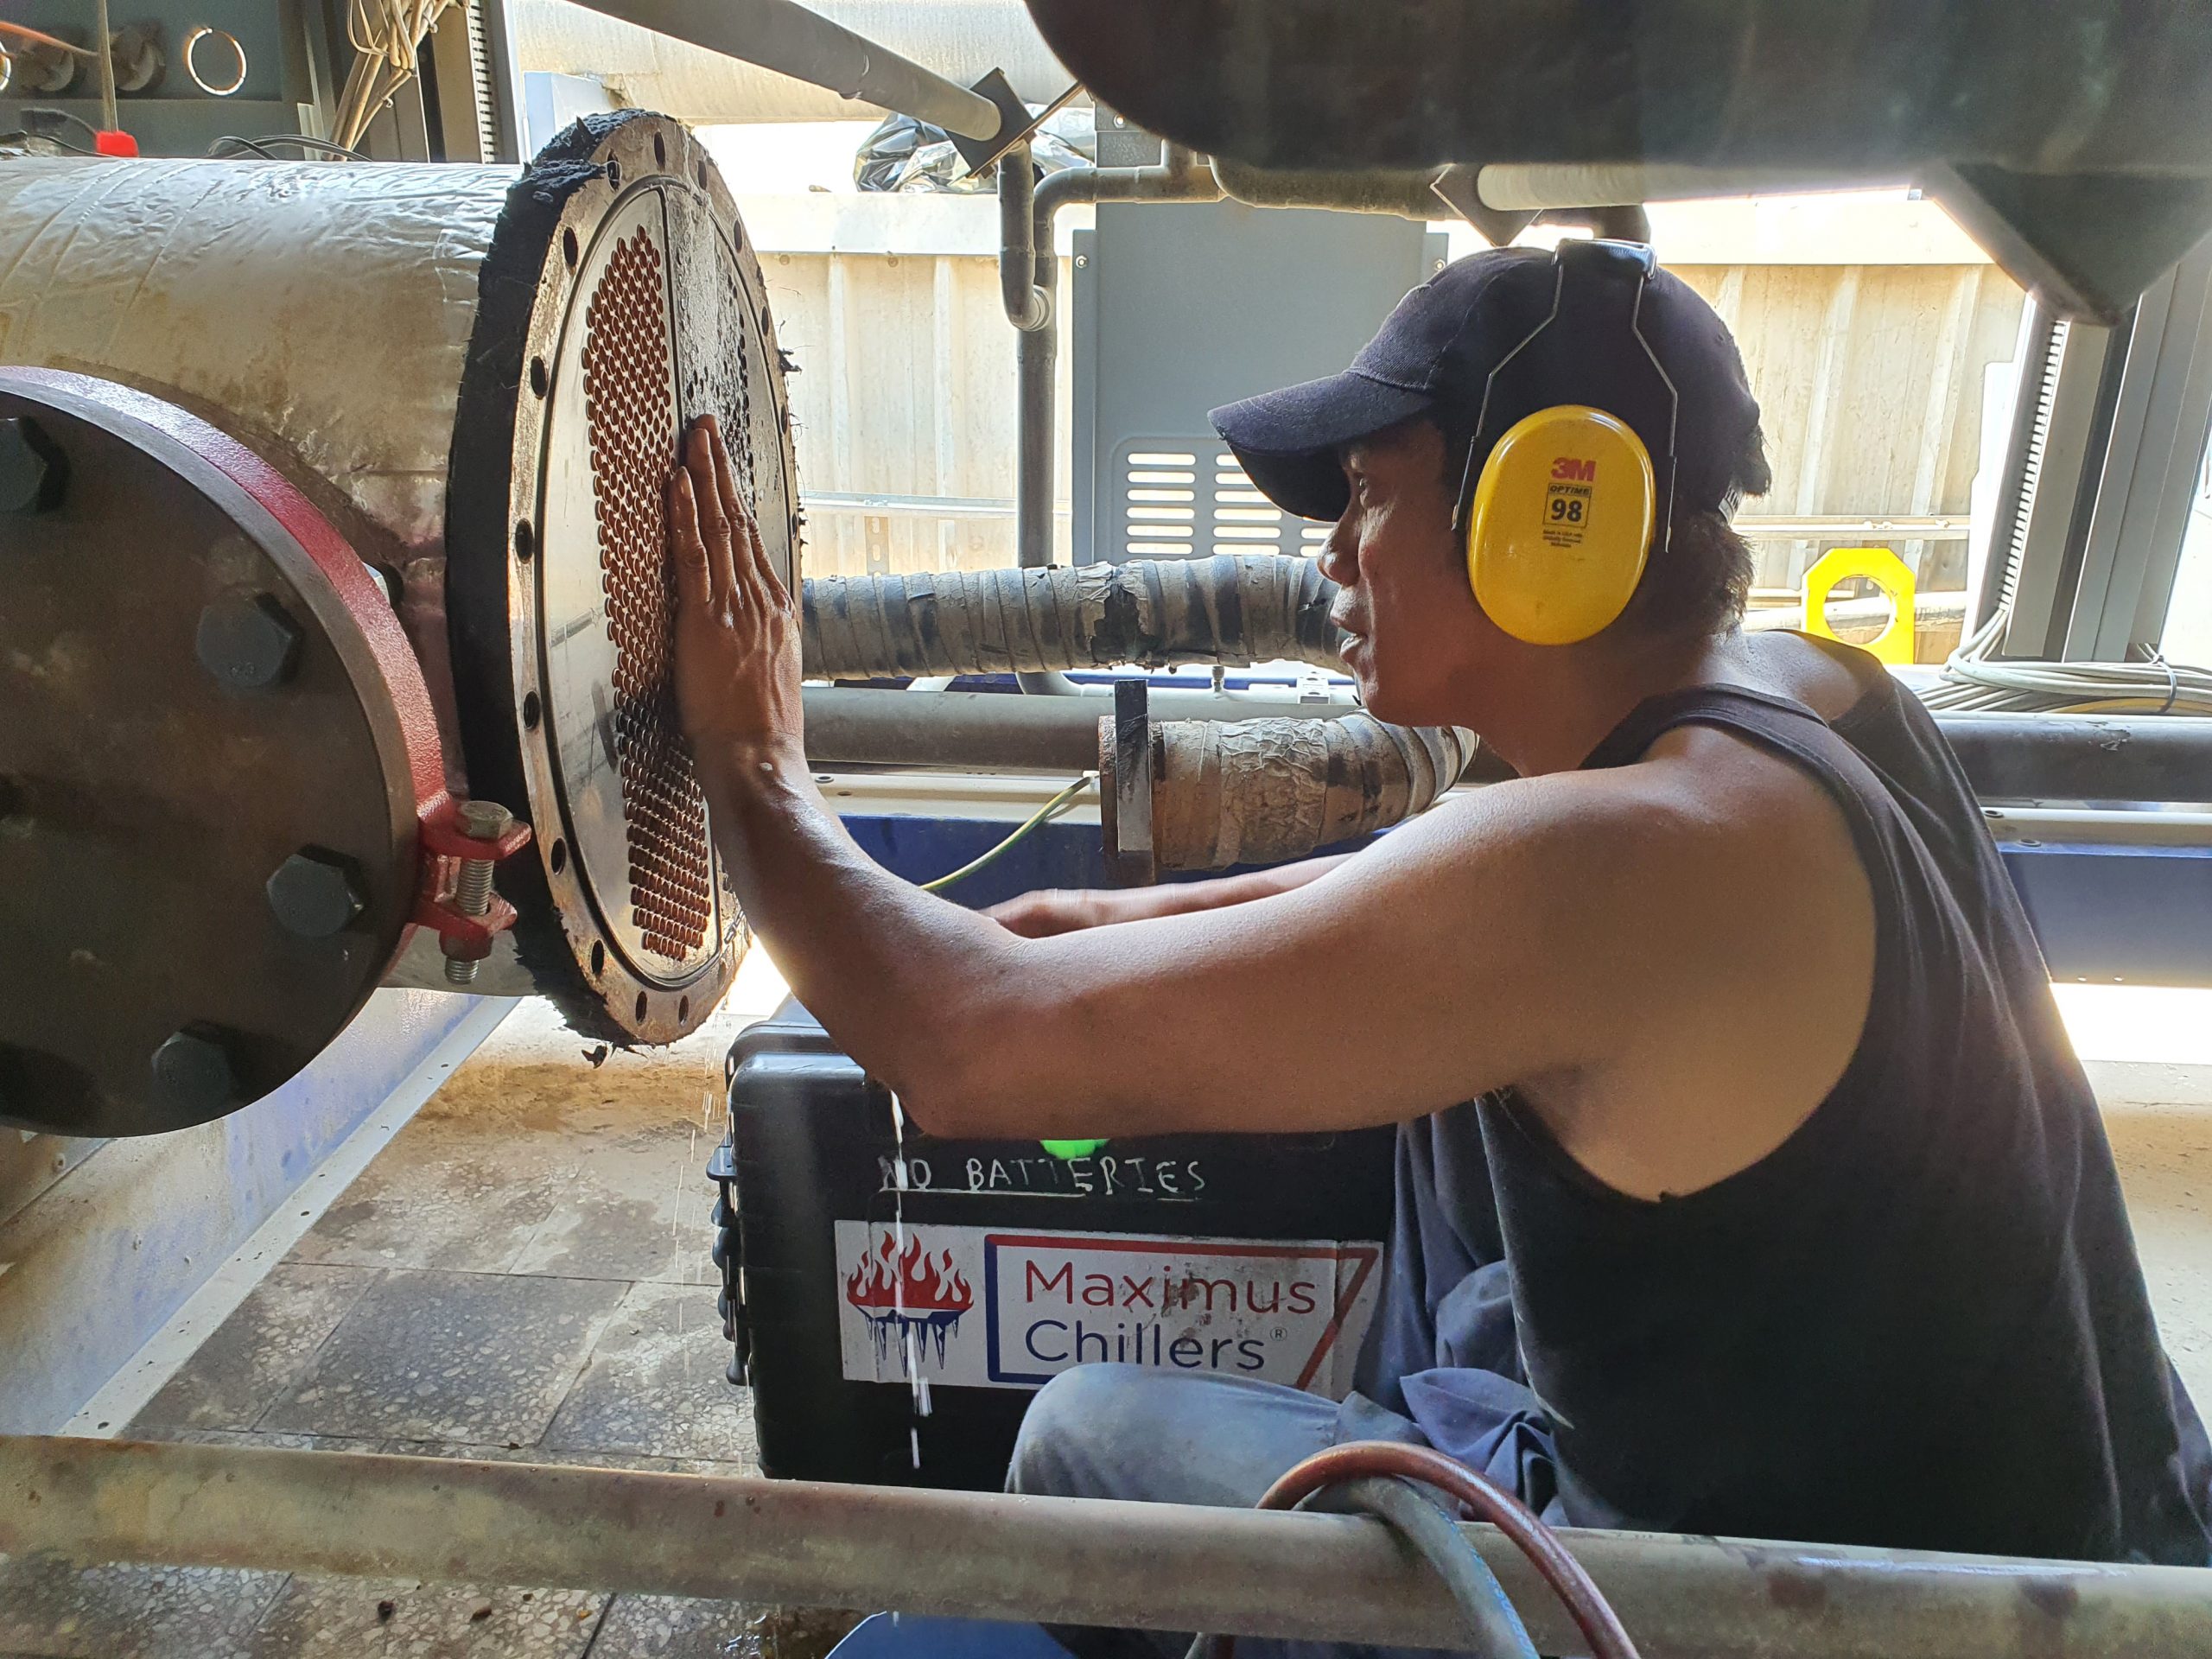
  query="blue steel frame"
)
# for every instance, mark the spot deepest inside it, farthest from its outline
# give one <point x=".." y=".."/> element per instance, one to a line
<point x="2138" y="915"/>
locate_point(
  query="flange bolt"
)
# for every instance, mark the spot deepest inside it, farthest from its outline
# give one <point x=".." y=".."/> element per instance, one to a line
<point x="248" y="641"/>
<point x="193" y="1072"/>
<point x="313" y="893"/>
<point x="472" y="893"/>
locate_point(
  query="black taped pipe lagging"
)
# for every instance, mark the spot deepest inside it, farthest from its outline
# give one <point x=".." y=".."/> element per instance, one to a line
<point x="1233" y="609"/>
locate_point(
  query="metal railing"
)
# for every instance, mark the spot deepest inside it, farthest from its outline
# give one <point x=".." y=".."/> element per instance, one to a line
<point x="1063" y="1560"/>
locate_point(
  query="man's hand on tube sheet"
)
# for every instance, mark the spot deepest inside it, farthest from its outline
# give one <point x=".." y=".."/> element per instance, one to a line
<point x="737" y="628"/>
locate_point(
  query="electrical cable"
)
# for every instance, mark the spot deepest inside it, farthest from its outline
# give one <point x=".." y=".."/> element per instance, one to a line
<point x="1044" y="815"/>
<point x="1593" y="1616"/>
<point x="259" y="145"/>
<point x="1975" y="678"/>
<point x="386" y="34"/>
<point x="34" y="117"/>
<point x="46" y="138"/>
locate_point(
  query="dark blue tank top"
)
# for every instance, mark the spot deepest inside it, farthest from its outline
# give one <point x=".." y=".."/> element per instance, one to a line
<point x="1918" y="1323"/>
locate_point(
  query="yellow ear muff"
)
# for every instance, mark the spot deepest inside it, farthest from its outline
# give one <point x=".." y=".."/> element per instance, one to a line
<point x="1560" y="525"/>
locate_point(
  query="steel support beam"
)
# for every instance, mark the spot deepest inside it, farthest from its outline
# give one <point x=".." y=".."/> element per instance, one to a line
<point x="2149" y="471"/>
<point x="787" y="37"/>
<point x="986" y="1555"/>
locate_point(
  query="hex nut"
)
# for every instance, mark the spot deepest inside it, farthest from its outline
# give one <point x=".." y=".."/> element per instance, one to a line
<point x="248" y="641"/>
<point x="33" y="470"/>
<point x="314" y="893"/>
<point x="484" y="820"/>
<point x="193" y="1072"/>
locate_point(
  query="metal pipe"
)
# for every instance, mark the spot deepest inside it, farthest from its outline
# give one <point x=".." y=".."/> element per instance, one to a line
<point x="1064" y="1560"/>
<point x="991" y="731"/>
<point x="2006" y="758"/>
<point x="2082" y="757"/>
<point x="1028" y="269"/>
<point x="1026" y="306"/>
<point x="787" y="37"/>
<point x="645" y="71"/>
<point x="1029" y="273"/>
<point x="1520" y="186"/>
<point x="1406" y="194"/>
<point x="1178" y="178"/>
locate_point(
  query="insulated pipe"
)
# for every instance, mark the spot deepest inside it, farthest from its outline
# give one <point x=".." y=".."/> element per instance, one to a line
<point x="1266" y="792"/>
<point x="787" y="37"/>
<point x="1165" y="1566"/>
<point x="1232" y="609"/>
<point x="1406" y="194"/>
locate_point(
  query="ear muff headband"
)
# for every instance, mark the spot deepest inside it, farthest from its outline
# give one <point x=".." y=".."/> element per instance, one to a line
<point x="1560" y="519"/>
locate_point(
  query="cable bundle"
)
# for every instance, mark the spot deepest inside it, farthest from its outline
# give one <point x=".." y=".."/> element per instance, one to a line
<point x="387" y="35"/>
<point x="1975" y="679"/>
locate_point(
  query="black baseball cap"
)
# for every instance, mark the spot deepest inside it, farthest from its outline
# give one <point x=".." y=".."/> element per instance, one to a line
<point x="1436" y="351"/>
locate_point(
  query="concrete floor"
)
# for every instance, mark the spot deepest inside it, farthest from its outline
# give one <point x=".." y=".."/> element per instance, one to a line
<point x="523" y="1274"/>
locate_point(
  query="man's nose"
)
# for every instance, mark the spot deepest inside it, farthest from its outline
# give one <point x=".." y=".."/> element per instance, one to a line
<point x="1339" y="558"/>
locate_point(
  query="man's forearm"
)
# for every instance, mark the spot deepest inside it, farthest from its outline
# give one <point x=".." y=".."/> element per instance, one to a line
<point x="1253" y="884"/>
<point x="877" y="960"/>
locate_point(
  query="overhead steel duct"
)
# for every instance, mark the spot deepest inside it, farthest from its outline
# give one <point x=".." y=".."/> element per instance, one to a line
<point x="2076" y="144"/>
<point x="349" y="508"/>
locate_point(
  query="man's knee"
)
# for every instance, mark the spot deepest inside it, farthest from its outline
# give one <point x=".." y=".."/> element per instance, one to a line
<point x="1073" y="1436"/>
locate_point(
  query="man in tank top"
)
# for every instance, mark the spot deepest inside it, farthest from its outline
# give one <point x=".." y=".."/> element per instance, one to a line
<point x="1746" y="1181"/>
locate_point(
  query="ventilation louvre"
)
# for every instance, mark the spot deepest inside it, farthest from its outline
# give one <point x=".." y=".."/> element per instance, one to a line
<point x="1178" y="500"/>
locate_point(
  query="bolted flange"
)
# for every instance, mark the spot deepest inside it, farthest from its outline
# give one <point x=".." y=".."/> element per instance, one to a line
<point x="248" y="641"/>
<point x="314" y="893"/>
<point x="192" y="1072"/>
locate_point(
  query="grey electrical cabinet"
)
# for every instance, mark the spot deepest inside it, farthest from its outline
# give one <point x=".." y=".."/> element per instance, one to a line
<point x="1179" y="308"/>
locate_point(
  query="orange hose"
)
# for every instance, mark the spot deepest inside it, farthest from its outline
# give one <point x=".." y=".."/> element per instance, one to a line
<point x="22" y="33"/>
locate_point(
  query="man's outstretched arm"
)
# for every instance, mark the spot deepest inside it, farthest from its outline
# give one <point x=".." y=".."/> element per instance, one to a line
<point x="1066" y="909"/>
<point x="1455" y="958"/>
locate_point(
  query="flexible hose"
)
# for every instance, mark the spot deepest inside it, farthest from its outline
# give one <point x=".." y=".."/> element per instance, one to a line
<point x="1339" y="1464"/>
<point x="1233" y="609"/>
<point x="1494" y="1627"/>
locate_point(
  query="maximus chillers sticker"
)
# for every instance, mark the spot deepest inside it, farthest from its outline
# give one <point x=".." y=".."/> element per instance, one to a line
<point x="981" y="1307"/>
